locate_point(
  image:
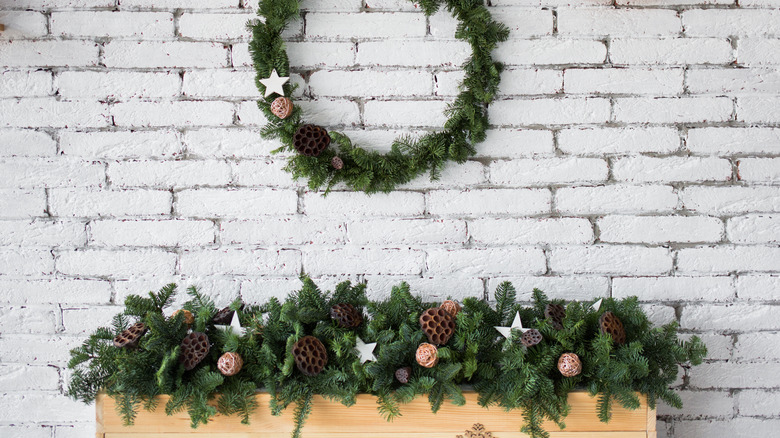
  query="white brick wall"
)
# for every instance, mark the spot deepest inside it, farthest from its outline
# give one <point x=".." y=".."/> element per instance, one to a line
<point x="635" y="150"/>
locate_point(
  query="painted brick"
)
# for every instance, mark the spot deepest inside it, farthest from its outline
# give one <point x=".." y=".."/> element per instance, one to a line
<point x="120" y="144"/>
<point x="726" y="259"/>
<point x="207" y="203"/>
<point x="730" y="317"/>
<point x="631" y="140"/>
<point x="671" y="169"/>
<point x="311" y="54"/>
<point x="206" y="26"/>
<point x="718" y="22"/>
<point x="549" y="111"/>
<point x="765" y="170"/>
<point x="755" y="109"/>
<point x="754" y="229"/>
<point x="363" y="260"/>
<point x="370" y="83"/>
<point x="35" y="349"/>
<point x="405" y="113"/>
<point x="148" y="54"/>
<point x="701" y="404"/>
<point x="759" y="403"/>
<point x="22" y="203"/>
<point x="26" y="262"/>
<point x="26" y="143"/>
<point x="733" y="375"/>
<point x="523" y="82"/>
<point x="120" y="264"/>
<point x="430" y="288"/>
<point x="27" y="378"/>
<point x="551" y="51"/>
<point x="140" y="114"/>
<point x="673" y="110"/>
<point x="168" y="174"/>
<point x="23" y="24"/>
<point x="758" y="51"/>
<point x="468" y="174"/>
<point x="51" y="405"/>
<point x="268" y="172"/>
<point x="176" y="4"/>
<point x="758" y="287"/>
<point x="412" y="53"/>
<point x="406" y="231"/>
<point x="25" y="83"/>
<point x="327" y="112"/>
<point x="43" y="233"/>
<point x="737" y="141"/>
<point x="40" y="112"/>
<point x="579" y="287"/>
<point x="223" y="143"/>
<point x="525" y="23"/>
<point x="240" y="262"/>
<point x="220" y="83"/>
<point x="117" y="84"/>
<point x="733" y="81"/>
<point x="658" y="82"/>
<point x="24" y="172"/>
<point x="511" y="143"/>
<point x="482" y="262"/>
<point x="548" y="171"/>
<point x="731" y="200"/>
<point x="55" y="292"/>
<point x="615" y="199"/>
<point x="660" y="229"/>
<point x="761" y="346"/>
<point x="27" y="320"/>
<point x="291" y="230"/>
<point x="644" y="22"/>
<point x="554" y="231"/>
<point x="101" y="203"/>
<point x="169" y="233"/>
<point x="360" y="204"/>
<point x="670" y="51"/>
<point x="48" y="53"/>
<point x="603" y="259"/>
<point x="693" y="289"/>
<point x="365" y="25"/>
<point x="495" y="202"/>
<point x="113" y="24"/>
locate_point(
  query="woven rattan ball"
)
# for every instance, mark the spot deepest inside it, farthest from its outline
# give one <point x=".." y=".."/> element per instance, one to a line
<point x="346" y="315"/>
<point x="189" y="318"/>
<point x="438" y="325"/>
<point x="427" y="355"/>
<point x="569" y="365"/>
<point x="310" y="355"/>
<point x="282" y="107"/>
<point x="403" y="374"/>
<point x="223" y="317"/>
<point x="194" y="348"/>
<point x="531" y="337"/>
<point x="555" y="313"/>
<point x="230" y="363"/>
<point x="451" y="307"/>
<point x="311" y="140"/>
<point x="337" y="163"/>
<point x="131" y="337"/>
<point x="610" y="324"/>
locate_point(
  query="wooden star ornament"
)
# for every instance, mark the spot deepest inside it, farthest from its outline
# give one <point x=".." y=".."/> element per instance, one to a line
<point x="274" y="84"/>
<point x="365" y="351"/>
<point x="517" y="324"/>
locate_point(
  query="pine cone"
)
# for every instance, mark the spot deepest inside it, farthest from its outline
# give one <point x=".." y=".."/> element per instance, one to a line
<point x="131" y="337"/>
<point x="451" y="307"/>
<point x="403" y="374"/>
<point x="310" y="355"/>
<point x="194" y="349"/>
<point x="223" y="317"/>
<point x="569" y="365"/>
<point x="311" y="140"/>
<point x="610" y="324"/>
<point x="438" y="325"/>
<point x="282" y="107"/>
<point x="346" y="315"/>
<point x="427" y="355"/>
<point x="337" y="163"/>
<point x="230" y="363"/>
<point x="555" y="313"/>
<point x="531" y="337"/>
<point x="189" y="318"/>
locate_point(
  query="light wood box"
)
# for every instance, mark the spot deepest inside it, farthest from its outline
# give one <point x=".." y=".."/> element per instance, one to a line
<point x="333" y="420"/>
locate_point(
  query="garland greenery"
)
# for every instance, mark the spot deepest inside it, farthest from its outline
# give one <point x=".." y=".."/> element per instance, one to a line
<point x="408" y="158"/>
<point x="502" y="371"/>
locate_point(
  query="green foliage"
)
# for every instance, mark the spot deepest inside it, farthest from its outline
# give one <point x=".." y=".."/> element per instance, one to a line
<point x="502" y="371"/>
<point x="408" y="158"/>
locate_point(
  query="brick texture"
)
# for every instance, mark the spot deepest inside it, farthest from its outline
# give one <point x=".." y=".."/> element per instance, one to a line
<point x="634" y="150"/>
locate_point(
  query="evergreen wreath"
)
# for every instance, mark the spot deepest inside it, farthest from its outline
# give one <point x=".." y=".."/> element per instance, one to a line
<point x="608" y="347"/>
<point x="358" y="168"/>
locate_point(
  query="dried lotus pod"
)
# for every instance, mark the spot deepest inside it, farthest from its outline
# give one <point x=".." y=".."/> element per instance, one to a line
<point x="531" y="337"/>
<point x="189" y="318"/>
<point x="438" y="325"/>
<point x="610" y="324"/>
<point x="337" y="163"/>
<point x="194" y="348"/>
<point x="311" y="140"/>
<point x="310" y="355"/>
<point x="131" y="337"/>
<point x="346" y="315"/>
<point x="451" y="307"/>
<point x="569" y="364"/>
<point x="230" y="363"/>
<point x="427" y="355"/>
<point x="403" y="374"/>
<point x="223" y="317"/>
<point x="555" y="313"/>
<point x="282" y="107"/>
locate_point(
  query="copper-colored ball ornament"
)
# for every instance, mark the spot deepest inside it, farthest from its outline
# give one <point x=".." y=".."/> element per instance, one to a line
<point x="403" y="374"/>
<point x="282" y="107"/>
<point x="346" y="315"/>
<point x="189" y="318"/>
<point x="531" y="337"/>
<point x="311" y="140"/>
<point x="555" y="313"/>
<point x="223" y="317"/>
<point x="337" y="163"/>
<point x="194" y="348"/>
<point x="610" y="324"/>
<point x="310" y="355"/>
<point x="451" y="307"/>
<point x="569" y="364"/>
<point x="230" y="363"/>
<point x="427" y="355"/>
<point x="131" y="337"/>
<point x="438" y="325"/>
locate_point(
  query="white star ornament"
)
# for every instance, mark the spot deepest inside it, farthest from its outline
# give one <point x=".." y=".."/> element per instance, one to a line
<point x="517" y="324"/>
<point x="274" y="84"/>
<point x="365" y="351"/>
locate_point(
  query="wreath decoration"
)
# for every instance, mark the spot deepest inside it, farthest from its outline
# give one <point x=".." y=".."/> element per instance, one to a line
<point x="326" y="159"/>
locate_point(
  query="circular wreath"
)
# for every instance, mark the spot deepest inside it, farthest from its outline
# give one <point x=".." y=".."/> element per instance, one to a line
<point x="329" y="158"/>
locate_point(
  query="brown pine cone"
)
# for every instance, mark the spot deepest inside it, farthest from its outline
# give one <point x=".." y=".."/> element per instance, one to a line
<point x="131" y="337"/>
<point x="427" y="355"/>
<point x="437" y="325"/>
<point x="569" y="365"/>
<point x="194" y="348"/>
<point x="531" y="337"/>
<point x="310" y="355"/>
<point x="555" y="313"/>
<point x="346" y="315"/>
<point x="403" y="374"/>
<point x="610" y="324"/>
<point x="230" y="363"/>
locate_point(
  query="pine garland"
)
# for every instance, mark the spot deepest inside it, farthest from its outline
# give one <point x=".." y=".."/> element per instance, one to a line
<point x="408" y="158"/>
<point x="502" y="371"/>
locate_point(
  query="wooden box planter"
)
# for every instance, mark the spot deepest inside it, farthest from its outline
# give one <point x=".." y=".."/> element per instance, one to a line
<point x="333" y="420"/>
